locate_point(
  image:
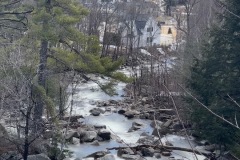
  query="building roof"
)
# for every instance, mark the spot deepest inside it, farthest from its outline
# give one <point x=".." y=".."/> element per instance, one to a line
<point x="140" y="25"/>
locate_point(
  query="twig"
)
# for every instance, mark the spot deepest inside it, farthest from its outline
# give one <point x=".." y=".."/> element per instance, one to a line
<point x="213" y="113"/>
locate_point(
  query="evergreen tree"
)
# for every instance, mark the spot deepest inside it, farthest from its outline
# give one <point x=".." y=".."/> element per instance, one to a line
<point x="62" y="46"/>
<point x="216" y="77"/>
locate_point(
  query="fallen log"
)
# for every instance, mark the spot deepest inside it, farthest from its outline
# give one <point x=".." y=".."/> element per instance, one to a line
<point x="165" y="147"/>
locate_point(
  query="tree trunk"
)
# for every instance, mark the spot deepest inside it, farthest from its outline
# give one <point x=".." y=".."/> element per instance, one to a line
<point x="26" y="134"/>
<point x="38" y="110"/>
<point x="61" y="104"/>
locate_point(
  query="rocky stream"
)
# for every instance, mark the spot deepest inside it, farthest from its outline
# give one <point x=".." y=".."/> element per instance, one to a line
<point x="113" y="129"/>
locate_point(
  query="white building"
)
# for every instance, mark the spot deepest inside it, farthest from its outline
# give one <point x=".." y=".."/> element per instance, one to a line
<point x="142" y="32"/>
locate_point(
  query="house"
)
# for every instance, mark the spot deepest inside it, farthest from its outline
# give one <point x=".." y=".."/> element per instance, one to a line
<point x="141" y="32"/>
<point x="168" y="27"/>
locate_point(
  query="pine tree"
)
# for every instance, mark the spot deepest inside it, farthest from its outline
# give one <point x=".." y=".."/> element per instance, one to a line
<point x="216" y="77"/>
<point x="62" y="46"/>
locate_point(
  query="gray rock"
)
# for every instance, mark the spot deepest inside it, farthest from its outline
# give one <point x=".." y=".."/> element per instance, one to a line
<point x="108" y="109"/>
<point x="147" y="152"/>
<point x="107" y="157"/>
<point x="98" y="154"/>
<point x="130" y="114"/>
<point x="104" y="134"/>
<point x="135" y="126"/>
<point x="157" y="155"/>
<point x="148" y="140"/>
<point x="40" y="146"/>
<point x="167" y="124"/>
<point x="113" y="102"/>
<point x="144" y="116"/>
<point x="121" y="111"/>
<point x="99" y="126"/>
<point x="144" y="134"/>
<point x="95" y="143"/>
<point x="38" y="157"/>
<point x="168" y="143"/>
<point x="167" y="154"/>
<point x="88" y="136"/>
<point x="73" y="118"/>
<point x="71" y="134"/>
<point x="96" y="111"/>
<point x="126" y="151"/>
<point x="75" y="140"/>
<point x="131" y="157"/>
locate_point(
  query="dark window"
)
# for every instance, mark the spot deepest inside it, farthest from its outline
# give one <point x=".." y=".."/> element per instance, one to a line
<point x="149" y="29"/>
<point x="169" y="31"/>
<point x="149" y="39"/>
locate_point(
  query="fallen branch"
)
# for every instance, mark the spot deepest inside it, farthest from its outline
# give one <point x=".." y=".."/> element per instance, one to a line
<point x="164" y="147"/>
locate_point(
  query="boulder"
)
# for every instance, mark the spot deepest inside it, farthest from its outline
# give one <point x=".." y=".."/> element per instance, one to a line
<point x="144" y="115"/>
<point x="167" y="154"/>
<point x="108" y="109"/>
<point x="167" y="124"/>
<point x="88" y="136"/>
<point x="144" y="134"/>
<point x="107" y="157"/>
<point x="147" y="152"/>
<point x="40" y="146"/>
<point x="135" y="126"/>
<point x="121" y="111"/>
<point x="71" y="134"/>
<point x="130" y="114"/>
<point x="131" y="157"/>
<point x="147" y="140"/>
<point x="104" y="134"/>
<point x="38" y="157"/>
<point x="157" y="155"/>
<point x="95" y="143"/>
<point x="98" y="154"/>
<point x="113" y="102"/>
<point x="96" y="111"/>
<point x="168" y="143"/>
<point x="75" y="140"/>
<point x="73" y="118"/>
<point x="99" y="126"/>
<point x="127" y="151"/>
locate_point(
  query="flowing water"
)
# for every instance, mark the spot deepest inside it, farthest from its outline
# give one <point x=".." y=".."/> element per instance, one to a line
<point x="84" y="100"/>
